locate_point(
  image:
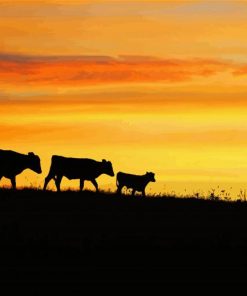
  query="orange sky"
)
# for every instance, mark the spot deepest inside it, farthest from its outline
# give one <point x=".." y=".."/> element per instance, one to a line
<point x="157" y="86"/>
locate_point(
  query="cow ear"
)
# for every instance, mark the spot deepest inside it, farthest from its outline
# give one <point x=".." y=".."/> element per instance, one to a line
<point x="30" y="153"/>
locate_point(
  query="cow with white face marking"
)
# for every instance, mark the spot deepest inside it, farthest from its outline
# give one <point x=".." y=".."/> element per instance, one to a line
<point x="134" y="182"/>
<point x="77" y="168"/>
<point x="13" y="163"/>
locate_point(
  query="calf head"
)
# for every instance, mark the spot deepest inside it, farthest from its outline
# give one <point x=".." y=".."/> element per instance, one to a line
<point x="150" y="176"/>
<point x="34" y="163"/>
<point x="107" y="168"/>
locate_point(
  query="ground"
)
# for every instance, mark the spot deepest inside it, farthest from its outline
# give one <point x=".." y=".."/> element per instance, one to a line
<point x="73" y="238"/>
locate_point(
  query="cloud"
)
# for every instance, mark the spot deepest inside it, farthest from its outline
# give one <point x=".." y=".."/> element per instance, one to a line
<point x="3" y="96"/>
<point x="97" y="8"/>
<point x="241" y="71"/>
<point x="94" y="70"/>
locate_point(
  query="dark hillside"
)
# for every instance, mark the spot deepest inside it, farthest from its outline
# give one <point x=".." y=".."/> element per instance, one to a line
<point x="77" y="238"/>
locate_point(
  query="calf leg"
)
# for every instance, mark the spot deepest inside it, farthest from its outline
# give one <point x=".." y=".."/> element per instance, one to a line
<point x="95" y="185"/>
<point x="81" y="184"/>
<point x="13" y="182"/>
<point x="58" y="182"/>
<point x="133" y="192"/>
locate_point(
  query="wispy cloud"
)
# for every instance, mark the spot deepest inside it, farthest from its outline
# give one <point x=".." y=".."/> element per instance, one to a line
<point x="145" y="8"/>
<point x="241" y="71"/>
<point x="87" y="70"/>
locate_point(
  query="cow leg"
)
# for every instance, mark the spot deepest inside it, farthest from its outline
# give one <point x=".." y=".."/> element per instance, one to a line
<point x="58" y="182"/>
<point x="95" y="184"/>
<point x="119" y="189"/>
<point x="143" y="193"/>
<point x="81" y="184"/>
<point x="13" y="182"/>
<point x="47" y="180"/>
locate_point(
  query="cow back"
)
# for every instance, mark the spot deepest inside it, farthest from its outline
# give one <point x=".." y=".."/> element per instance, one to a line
<point x="76" y="168"/>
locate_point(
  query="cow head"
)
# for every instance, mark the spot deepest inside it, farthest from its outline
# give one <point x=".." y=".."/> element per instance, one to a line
<point x="107" y="168"/>
<point x="150" y="176"/>
<point x="34" y="162"/>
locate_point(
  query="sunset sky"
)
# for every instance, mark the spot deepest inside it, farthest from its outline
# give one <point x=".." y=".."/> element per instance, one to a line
<point x="150" y="85"/>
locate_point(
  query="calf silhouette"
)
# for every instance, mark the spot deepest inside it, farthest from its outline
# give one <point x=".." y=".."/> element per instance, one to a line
<point x="134" y="182"/>
<point x="13" y="163"/>
<point x="77" y="168"/>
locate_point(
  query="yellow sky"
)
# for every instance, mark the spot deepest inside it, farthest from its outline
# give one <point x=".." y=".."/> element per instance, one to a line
<point x="157" y="86"/>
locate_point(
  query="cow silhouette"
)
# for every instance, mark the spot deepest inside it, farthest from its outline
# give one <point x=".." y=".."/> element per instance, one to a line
<point x="77" y="168"/>
<point x="13" y="163"/>
<point x="134" y="182"/>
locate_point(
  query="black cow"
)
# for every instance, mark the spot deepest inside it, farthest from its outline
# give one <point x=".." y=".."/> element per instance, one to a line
<point x="135" y="182"/>
<point x="13" y="163"/>
<point x="77" y="168"/>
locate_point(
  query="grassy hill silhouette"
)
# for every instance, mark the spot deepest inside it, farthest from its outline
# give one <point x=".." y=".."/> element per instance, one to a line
<point x="86" y="237"/>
